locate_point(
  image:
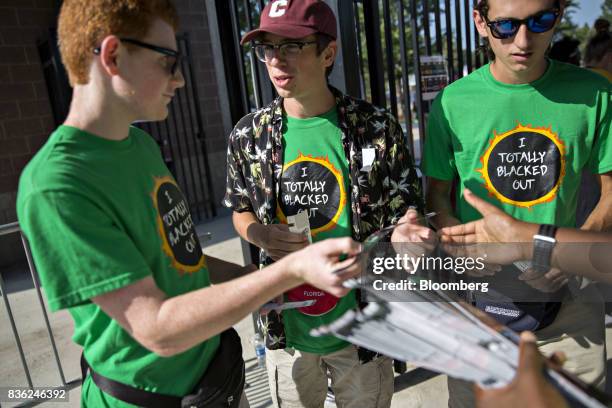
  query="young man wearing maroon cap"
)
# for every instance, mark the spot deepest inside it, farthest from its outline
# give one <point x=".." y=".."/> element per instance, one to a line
<point x="339" y="163"/>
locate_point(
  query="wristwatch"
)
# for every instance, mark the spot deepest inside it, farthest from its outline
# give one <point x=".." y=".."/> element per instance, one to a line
<point x="543" y="243"/>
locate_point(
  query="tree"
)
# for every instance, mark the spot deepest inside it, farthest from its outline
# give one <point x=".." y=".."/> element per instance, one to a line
<point x="570" y="29"/>
<point x="567" y="26"/>
<point x="606" y="10"/>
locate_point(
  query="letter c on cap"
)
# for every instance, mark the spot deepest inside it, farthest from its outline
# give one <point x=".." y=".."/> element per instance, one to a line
<point x="276" y="10"/>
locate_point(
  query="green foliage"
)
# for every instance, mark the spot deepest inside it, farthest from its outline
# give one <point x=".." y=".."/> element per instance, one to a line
<point x="583" y="33"/>
<point x="606" y="10"/>
<point x="567" y="26"/>
<point x="571" y="29"/>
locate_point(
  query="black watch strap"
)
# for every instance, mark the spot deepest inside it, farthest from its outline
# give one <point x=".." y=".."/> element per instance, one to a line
<point x="543" y="245"/>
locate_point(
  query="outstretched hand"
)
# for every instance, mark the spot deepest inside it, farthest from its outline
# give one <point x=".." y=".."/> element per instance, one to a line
<point x="495" y="226"/>
<point x="496" y="234"/>
<point x="412" y="238"/>
<point x="316" y="264"/>
<point x="410" y="228"/>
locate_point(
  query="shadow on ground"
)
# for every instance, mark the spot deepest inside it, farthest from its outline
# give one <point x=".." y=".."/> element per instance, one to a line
<point x="256" y="385"/>
<point x="412" y="378"/>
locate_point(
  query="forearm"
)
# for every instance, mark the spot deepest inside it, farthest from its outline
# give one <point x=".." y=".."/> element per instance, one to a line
<point x="439" y="202"/>
<point x="591" y="260"/>
<point x="582" y="253"/>
<point x="222" y="271"/>
<point x="246" y="224"/>
<point x="170" y="325"/>
<point x="601" y="217"/>
<point x="186" y="320"/>
<point x="444" y="217"/>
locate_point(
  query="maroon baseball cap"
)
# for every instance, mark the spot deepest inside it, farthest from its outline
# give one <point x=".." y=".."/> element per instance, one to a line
<point x="295" y="19"/>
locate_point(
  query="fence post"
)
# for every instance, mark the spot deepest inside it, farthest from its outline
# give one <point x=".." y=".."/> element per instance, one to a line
<point x="230" y="78"/>
<point x="344" y="76"/>
<point x="375" y="60"/>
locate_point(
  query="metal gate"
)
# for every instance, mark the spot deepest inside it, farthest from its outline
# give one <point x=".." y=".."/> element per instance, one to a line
<point x="13" y="228"/>
<point x="386" y="40"/>
<point x="392" y="38"/>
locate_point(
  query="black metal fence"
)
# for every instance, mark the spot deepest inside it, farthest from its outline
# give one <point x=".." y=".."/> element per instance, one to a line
<point x="393" y="38"/>
<point x="387" y="40"/>
<point x="13" y="228"/>
<point x="181" y="136"/>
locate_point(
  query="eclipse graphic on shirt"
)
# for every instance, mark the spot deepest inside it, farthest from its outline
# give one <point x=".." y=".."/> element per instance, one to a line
<point x="314" y="185"/>
<point x="175" y="226"/>
<point x="524" y="166"/>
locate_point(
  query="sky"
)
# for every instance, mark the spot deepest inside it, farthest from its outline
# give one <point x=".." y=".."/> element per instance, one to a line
<point x="589" y="11"/>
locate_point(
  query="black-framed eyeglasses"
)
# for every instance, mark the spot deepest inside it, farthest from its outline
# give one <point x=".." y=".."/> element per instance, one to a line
<point x="174" y="57"/>
<point x="288" y="50"/>
<point x="538" y="23"/>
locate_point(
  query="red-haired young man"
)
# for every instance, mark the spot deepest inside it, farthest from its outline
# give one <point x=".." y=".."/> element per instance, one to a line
<point x="111" y="232"/>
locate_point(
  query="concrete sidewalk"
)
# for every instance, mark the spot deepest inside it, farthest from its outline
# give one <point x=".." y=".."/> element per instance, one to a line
<point x="416" y="388"/>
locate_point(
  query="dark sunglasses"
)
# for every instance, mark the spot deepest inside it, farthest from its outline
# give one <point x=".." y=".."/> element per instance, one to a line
<point x="538" y="23"/>
<point x="174" y="57"/>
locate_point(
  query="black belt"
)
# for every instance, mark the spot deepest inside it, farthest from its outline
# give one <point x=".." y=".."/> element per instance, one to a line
<point x="127" y="393"/>
<point x="221" y="385"/>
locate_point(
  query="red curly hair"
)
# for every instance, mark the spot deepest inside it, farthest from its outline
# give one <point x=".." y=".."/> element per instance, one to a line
<point x="83" y="24"/>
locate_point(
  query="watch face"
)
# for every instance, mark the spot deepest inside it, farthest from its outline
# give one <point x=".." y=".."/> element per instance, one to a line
<point x="544" y="239"/>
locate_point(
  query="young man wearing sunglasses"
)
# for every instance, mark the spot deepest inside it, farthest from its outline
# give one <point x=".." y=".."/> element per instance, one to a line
<point x="340" y="164"/>
<point x="518" y="132"/>
<point x="111" y="233"/>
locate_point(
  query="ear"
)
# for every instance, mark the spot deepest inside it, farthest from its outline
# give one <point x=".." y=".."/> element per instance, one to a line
<point x="561" y="14"/>
<point x="329" y="53"/>
<point x="109" y="54"/>
<point x="481" y="24"/>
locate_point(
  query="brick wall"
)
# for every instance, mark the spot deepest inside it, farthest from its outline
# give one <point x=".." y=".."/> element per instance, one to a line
<point x="25" y="113"/>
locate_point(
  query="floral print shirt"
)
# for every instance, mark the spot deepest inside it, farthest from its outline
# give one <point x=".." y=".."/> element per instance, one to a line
<point x="380" y="193"/>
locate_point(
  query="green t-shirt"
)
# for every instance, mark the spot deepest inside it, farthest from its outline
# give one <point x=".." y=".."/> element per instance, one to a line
<point x="315" y="179"/>
<point x="100" y="215"/>
<point x="522" y="147"/>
